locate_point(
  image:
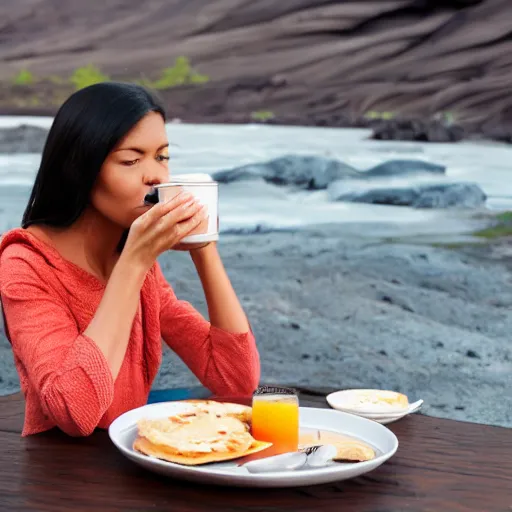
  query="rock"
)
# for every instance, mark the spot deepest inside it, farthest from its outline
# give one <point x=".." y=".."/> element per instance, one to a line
<point x="495" y="130"/>
<point x="415" y="60"/>
<point x="472" y="354"/>
<point x="308" y="172"/>
<point x="403" y="168"/>
<point x="251" y="172"/>
<point x="316" y="172"/>
<point x="442" y="195"/>
<point x="399" y="196"/>
<point x="462" y="195"/>
<point x="22" y="139"/>
<point x="417" y="130"/>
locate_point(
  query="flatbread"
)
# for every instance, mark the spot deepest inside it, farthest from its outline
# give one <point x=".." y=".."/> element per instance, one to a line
<point x="161" y="452"/>
<point x="208" y="433"/>
<point x="241" y="412"/>
<point x="348" y="448"/>
<point x="365" y="398"/>
<point x="197" y="433"/>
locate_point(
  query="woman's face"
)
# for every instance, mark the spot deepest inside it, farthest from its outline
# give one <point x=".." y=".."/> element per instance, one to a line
<point x="139" y="161"/>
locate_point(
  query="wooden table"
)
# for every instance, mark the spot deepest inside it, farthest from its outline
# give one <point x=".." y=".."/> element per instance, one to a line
<point x="440" y="466"/>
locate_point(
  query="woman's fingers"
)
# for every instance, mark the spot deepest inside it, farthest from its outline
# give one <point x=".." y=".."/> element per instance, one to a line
<point x="190" y="224"/>
<point x="166" y="224"/>
<point x="183" y="228"/>
<point x="178" y="215"/>
<point x="162" y="209"/>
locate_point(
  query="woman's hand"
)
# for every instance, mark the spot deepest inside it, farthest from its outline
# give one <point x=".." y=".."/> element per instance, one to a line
<point x="162" y="228"/>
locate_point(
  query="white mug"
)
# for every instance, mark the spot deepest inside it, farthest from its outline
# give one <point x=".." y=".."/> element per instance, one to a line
<point x="206" y="191"/>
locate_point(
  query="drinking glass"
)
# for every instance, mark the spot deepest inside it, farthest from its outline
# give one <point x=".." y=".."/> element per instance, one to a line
<point x="275" y="418"/>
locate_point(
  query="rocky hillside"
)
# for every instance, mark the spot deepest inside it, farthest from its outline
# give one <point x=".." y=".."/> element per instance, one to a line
<point x="314" y="61"/>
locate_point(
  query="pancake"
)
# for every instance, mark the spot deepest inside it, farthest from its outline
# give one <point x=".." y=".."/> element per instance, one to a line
<point x="348" y="449"/>
<point x="241" y="412"/>
<point x="161" y="452"/>
<point x="196" y="437"/>
<point x="370" y="401"/>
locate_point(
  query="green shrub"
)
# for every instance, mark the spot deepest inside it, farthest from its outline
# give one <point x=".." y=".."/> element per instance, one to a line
<point x="502" y="228"/>
<point x="24" y="77"/>
<point x="373" y="114"/>
<point x="262" y="115"/>
<point x="198" y="78"/>
<point x="505" y="217"/>
<point x="179" y="74"/>
<point x="449" y="117"/>
<point x="88" y="75"/>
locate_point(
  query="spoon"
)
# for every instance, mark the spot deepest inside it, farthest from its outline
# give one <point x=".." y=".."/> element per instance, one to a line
<point x="283" y="462"/>
<point x="320" y="455"/>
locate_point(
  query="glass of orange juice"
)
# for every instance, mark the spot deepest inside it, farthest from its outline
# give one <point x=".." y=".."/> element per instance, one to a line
<point x="275" y="418"/>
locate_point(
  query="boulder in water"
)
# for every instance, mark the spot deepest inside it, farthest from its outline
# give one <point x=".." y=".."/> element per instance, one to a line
<point x="442" y="195"/>
<point x="403" y="168"/>
<point x="304" y="171"/>
<point x="22" y="139"/>
<point x="417" y="130"/>
<point x="251" y="172"/>
<point x="459" y="195"/>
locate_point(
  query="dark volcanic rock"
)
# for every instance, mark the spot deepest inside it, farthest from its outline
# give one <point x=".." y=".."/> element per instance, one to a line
<point x="22" y="139"/>
<point x="392" y="196"/>
<point x="462" y="195"/>
<point x="443" y="195"/>
<point x="417" y="130"/>
<point x="320" y="61"/>
<point x="309" y="172"/>
<point x="316" y="172"/>
<point x="404" y="167"/>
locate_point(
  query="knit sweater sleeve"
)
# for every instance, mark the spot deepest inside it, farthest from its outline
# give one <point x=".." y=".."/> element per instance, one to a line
<point x="227" y="363"/>
<point x="69" y="371"/>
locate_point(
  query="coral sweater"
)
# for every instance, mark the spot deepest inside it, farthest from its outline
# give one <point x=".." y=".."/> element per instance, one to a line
<point x="48" y="303"/>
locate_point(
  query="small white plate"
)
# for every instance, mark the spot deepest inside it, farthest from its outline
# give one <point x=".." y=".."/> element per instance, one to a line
<point x="358" y="401"/>
<point x="415" y="406"/>
<point x="385" y="420"/>
<point x="382" y="418"/>
<point x="123" y="431"/>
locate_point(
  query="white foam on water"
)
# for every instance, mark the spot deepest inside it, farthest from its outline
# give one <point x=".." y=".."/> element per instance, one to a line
<point x="209" y="148"/>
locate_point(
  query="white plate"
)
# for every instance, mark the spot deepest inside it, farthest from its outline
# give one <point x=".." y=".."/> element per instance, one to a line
<point x="349" y="400"/>
<point x="385" y="419"/>
<point x="123" y="430"/>
<point x="415" y="406"/>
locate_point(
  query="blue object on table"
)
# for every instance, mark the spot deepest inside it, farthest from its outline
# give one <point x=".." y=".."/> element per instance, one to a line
<point x="169" y="395"/>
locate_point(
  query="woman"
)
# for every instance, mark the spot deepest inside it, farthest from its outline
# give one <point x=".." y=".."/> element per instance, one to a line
<point x="85" y="302"/>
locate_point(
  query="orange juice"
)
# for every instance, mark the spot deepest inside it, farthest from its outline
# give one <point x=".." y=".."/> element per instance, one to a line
<point x="275" y="418"/>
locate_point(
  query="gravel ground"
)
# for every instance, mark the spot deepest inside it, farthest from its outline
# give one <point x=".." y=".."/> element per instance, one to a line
<point x="333" y="309"/>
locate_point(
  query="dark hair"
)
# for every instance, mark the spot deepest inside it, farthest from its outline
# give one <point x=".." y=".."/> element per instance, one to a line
<point x="86" y="128"/>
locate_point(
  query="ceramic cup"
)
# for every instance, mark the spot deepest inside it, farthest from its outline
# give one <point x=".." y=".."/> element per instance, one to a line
<point x="206" y="191"/>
